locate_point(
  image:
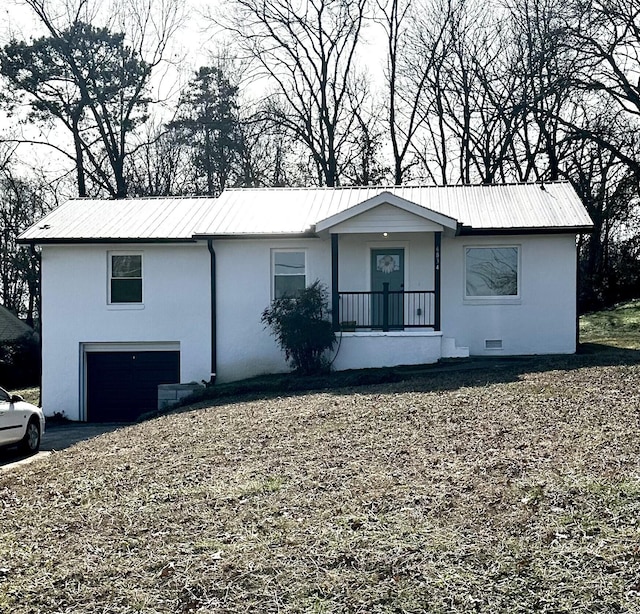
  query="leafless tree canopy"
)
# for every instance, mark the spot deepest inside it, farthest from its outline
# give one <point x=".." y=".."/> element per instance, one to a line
<point x="339" y="92"/>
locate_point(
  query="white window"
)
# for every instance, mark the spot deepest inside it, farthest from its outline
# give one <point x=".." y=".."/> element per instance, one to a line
<point x="492" y="272"/>
<point x="289" y="272"/>
<point x="125" y="278"/>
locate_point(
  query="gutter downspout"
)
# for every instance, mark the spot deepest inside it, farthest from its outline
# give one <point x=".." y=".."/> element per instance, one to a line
<point x="35" y="255"/>
<point x="578" y="282"/>
<point x="214" y="353"/>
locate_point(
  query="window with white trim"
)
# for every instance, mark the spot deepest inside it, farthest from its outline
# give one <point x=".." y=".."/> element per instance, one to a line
<point x="492" y="272"/>
<point x="289" y="272"/>
<point x="125" y="278"/>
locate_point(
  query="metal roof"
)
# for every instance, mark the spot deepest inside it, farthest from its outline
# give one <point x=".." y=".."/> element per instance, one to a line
<point x="292" y="211"/>
<point x="135" y="219"/>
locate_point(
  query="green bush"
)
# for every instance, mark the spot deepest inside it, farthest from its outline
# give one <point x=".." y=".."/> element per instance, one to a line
<point x="20" y="362"/>
<point x="300" y="326"/>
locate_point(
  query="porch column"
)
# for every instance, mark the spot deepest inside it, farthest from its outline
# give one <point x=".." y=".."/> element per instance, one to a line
<point x="436" y="277"/>
<point x="335" y="297"/>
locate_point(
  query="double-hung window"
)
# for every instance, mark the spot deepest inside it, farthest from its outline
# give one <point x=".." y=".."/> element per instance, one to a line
<point x="492" y="272"/>
<point x="289" y="272"/>
<point x="125" y="278"/>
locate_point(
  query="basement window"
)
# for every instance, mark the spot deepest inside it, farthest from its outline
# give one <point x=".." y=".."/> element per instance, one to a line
<point x="125" y="278"/>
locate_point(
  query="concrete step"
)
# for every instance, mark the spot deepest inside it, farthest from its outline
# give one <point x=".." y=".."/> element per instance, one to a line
<point x="451" y="350"/>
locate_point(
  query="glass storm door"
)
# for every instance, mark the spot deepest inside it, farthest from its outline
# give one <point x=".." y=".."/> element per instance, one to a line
<point x="387" y="267"/>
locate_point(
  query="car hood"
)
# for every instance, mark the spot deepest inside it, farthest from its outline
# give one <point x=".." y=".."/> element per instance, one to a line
<point x="24" y="406"/>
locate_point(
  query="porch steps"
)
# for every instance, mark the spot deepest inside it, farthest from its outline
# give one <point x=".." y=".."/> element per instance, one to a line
<point x="449" y="349"/>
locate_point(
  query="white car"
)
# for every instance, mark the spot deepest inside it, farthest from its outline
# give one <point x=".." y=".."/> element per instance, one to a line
<point x="21" y="423"/>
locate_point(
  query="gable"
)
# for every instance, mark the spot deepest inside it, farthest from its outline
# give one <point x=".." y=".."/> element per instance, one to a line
<point x="386" y="218"/>
<point x="383" y="208"/>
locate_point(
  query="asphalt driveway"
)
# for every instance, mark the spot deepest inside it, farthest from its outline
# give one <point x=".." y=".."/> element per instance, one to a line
<point x="57" y="437"/>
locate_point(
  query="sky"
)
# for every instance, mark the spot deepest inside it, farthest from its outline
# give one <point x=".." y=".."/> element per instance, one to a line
<point x="188" y="51"/>
<point x="190" y="48"/>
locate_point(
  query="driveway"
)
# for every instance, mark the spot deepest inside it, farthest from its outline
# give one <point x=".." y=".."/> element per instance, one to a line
<point x="56" y="437"/>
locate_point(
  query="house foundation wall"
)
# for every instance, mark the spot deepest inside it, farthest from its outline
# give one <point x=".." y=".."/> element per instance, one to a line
<point x="375" y="349"/>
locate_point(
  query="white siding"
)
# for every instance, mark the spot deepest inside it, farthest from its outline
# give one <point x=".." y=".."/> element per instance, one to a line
<point x="75" y="311"/>
<point x="386" y="218"/>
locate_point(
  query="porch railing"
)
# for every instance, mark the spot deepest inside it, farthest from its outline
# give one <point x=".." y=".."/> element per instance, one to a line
<point x="387" y="309"/>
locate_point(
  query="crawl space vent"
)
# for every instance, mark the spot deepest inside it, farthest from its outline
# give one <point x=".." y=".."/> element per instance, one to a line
<point x="493" y="344"/>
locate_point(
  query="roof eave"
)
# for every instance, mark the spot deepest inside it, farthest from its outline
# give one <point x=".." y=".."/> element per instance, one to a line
<point x="538" y="230"/>
<point x="101" y="240"/>
<point x="310" y="234"/>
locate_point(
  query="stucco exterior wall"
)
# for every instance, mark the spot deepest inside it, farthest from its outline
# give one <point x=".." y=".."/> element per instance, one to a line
<point x="176" y="306"/>
<point x="75" y="311"/>
<point x="244" y="290"/>
<point x="541" y="321"/>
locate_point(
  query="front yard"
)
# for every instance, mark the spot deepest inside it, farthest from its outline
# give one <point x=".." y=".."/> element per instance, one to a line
<point x="511" y="489"/>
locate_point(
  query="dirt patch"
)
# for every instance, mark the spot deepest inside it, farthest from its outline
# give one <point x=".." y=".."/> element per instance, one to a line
<point x="478" y="491"/>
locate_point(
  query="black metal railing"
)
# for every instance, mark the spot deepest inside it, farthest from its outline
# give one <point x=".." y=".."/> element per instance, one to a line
<point x="387" y="309"/>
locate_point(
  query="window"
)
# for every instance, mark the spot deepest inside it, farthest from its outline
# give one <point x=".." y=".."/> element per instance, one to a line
<point x="125" y="273"/>
<point x="289" y="273"/>
<point x="491" y="272"/>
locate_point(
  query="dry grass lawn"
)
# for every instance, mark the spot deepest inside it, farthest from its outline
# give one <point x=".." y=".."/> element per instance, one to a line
<point x="502" y="490"/>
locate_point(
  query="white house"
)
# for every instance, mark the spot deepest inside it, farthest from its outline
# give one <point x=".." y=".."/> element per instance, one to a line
<point x="137" y="292"/>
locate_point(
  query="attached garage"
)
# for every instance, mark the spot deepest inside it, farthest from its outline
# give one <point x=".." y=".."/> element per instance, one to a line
<point x="122" y="383"/>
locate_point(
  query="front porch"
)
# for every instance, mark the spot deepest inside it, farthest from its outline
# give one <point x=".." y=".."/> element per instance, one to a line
<point x="377" y="349"/>
<point x="386" y="310"/>
<point x="386" y="283"/>
<point x="388" y="307"/>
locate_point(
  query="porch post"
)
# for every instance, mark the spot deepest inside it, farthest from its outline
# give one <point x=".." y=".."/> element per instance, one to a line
<point x="335" y="297"/>
<point x="437" y="287"/>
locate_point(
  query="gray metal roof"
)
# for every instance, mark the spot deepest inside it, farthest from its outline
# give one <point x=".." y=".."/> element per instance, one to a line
<point x="144" y="219"/>
<point x="11" y="327"/>
<point x="274" y="211"/>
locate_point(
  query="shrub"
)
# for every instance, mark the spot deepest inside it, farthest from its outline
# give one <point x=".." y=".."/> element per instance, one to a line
<point x="300" y="326"/>
<point x="20" y="362"/>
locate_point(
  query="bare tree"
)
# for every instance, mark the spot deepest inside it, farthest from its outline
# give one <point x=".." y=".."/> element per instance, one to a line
<point x="159" y="165"/>
<point x="307" y="53"/>
<point x="92" y="79"/>
<point x="22" y="201"/>
<point x="409" y="68"/>
<point x="418" y="37"/>
<point x="603" y="37"/>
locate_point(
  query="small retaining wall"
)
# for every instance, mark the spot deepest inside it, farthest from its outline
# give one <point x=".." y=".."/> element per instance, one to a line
<point x="170" y="394"/>
<point x="362" y="350"/>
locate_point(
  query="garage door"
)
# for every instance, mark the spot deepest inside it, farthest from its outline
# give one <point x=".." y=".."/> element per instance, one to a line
<point x="120" y="386"/>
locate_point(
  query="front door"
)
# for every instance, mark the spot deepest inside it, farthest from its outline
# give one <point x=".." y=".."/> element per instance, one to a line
<point x="387" y="267"/>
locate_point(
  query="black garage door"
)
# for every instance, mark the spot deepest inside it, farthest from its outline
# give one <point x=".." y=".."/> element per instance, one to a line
<point x="123" y="385"/>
